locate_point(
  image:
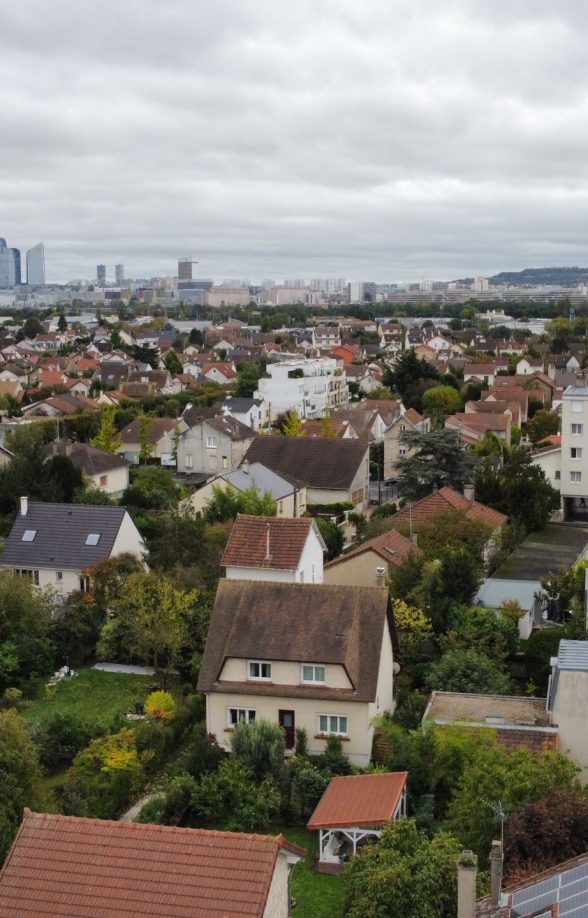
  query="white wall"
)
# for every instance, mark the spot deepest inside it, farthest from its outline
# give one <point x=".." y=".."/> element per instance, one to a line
<point x="117" y="481"/>
<point x="550" y="463"/>
<point x="569" y="714"/>
<point x="128" y="540"/>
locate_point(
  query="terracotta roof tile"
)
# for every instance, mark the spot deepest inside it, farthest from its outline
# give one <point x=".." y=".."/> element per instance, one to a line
<point x="267" y="541"/>
<point x="448" y="499"/>
<point x="67" y="867"/>
<point x="391" y="546"/>
<point x="359" y="800"/>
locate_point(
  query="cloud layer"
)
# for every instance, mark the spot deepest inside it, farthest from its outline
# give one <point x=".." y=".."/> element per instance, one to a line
<point x="372" y="139"/>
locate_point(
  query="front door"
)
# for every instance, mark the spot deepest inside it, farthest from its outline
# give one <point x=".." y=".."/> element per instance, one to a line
<point x="286" y="720"/>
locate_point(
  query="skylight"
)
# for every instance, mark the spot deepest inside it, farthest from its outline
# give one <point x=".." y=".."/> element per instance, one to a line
<point x="29" y="535"/>
<point x="93" y="538"/>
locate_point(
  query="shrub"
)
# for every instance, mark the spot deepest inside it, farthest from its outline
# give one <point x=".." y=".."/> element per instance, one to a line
<point x="161" y="707"/>
<point x="62" y="736"/>
<point x="467" y="671"/>
<point x="232" y="796"/>
<point x="259" y="746"/>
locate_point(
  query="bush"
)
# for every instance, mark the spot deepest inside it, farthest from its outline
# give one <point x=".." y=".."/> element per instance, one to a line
<point x="467" y="671"/>
<point x="104" y="777"/>
<point x="62" y="736"/>
<point x="232" y="796"/>
<point x="259" y="746"/>
<point x="200" y="754"/>
<point x="161" y="707"/>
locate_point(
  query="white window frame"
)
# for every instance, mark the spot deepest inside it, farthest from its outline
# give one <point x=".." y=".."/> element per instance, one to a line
<point x="251" y="664"/>
<point x="575" y="453"/>
<point x="189" y="461"/>
<point x="30" y="574"/>
<point x="557" y="475"/>
<point x="579" y="430"/>
<point x="330" y="717"/>
<point x="575" y="477"/>
<point x="211" y="442"/>
<point x="313" y="680"/>
<point x="577" y="406"/>
<point x="246" y="714"/>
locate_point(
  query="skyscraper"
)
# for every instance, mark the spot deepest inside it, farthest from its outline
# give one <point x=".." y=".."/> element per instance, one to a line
<point x="185" y="269"/>
<point x="9" y="266"/>
<point x="101" y="275"/>
<point x="36" y="265"/>
<point x="119" y="273"/>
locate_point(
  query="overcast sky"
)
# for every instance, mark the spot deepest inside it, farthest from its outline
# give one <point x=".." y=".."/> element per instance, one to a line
<point x="373" y="139"/>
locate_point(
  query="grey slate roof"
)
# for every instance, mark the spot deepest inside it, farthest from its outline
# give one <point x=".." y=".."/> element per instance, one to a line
<point x="61" y="533"/>
<point x="573" y="655"/>
<point x="314" y="462"/>
<point x="263" y="478"/>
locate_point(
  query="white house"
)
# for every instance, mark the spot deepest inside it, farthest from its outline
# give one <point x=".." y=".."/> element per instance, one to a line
<point x="105" y="471"/>
<point x="312" y="388"/>
<point x="290" y="499"/>
<point x="55" y="544"/>
<point x="280" y="549"/>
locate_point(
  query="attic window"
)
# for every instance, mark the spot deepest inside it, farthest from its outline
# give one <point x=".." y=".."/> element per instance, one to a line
<point x="93" y="538"/>
<point x="29" y="535"/>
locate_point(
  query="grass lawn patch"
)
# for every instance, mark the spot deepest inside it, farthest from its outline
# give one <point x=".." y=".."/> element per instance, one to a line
<point x="318" y="895"/>
<point x="92" y="694"/>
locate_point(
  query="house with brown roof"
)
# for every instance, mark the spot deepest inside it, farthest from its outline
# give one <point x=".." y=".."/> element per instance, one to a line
<point x="394" y="447"/>
<point x="280" y="549"/>
<point x="332" y="470"/>
<point x="161" y="437"/>
<point x="105" y="471"/>
<point x="473" y="427"/>
<point x="446" y="499"/>
<point x="300" y="655"/>
<point x="66" y="867"/>
<point x="211" y="445"/>
<point x="353" y="811"/>
<point x="369" y="564"/>
<point x="516" y="720"/>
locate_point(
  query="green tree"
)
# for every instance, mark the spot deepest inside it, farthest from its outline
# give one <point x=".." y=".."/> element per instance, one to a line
<point x="332" y="536"/>
<point x="359" y="522"/>
<point x="226" y="502"/>
<point x="161" y="707"/>
<point x="410" y="378"/>
<point x="152" y="488"/>
<point x="33" y="327"/>
<point x="25" y="619"/>
<point x="172" y="362"/>
<point x="107" y="437"/>
<point x="436" y="460"/>
<point x="260" y="747"/>
<point x="231" y="795"/>
<point x="21" y="776"/>
<point x="146" y="446"/>
<point x="104" y="777"/>
<point x="543" y="424"/>
<point x="248" y="375"/>
<point x="406" y="875"/>
<point x="513" y="779"/>
<point x="440" y="401"/>
<point x="327" y="428"/>
<point x="519" y="489"/>
<point x="467" y="671"/>
<point x="293" y="426"/>
<point x="483" y="630"/>
<point x="62" y="323"/>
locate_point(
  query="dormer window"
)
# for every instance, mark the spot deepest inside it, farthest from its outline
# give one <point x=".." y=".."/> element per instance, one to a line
<point x="258" y="669"/>
<point x="313" y="674"/>
<point x="29" y="535"/>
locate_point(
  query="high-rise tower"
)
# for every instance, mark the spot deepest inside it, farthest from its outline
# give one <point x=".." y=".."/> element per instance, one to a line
<point x="101" y="275"/>
<point x="36" y="266"/>
<point x="9" y="266"/>
<point x="119" y="273"/>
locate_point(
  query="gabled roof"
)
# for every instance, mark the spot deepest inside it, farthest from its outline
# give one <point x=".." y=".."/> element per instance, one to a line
<point x="269" y="542"/>
<point x="67" y="867"/>
<point x="158" y="427"/>
<point x="302" y="623"/>
<point x="448" y="499"/>
<point x="264" y="479"/>
<point x="88" y="458"/>
<point x="314" y="462"/>
<point x="61" y="531"/>
<point x="359" y="800"/>
<point x="391" y="546"/>
<point x="230" y="427"/>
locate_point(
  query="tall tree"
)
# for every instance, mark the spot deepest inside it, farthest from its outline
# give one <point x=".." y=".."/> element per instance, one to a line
<point x="21" y="776"/>
<point x="172" y="362"/>
<point x="440" y="401"/>
<point x="107" y="437"/>
<point x="146" y="447"/>
<point x="436" y="460"/>
<point x="519" y="489"/>
<point x="293" y="426"/>
<point x="247" y="379"/>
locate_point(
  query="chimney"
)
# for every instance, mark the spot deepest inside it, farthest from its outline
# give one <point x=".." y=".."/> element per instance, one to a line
<point x="468" y="492"/>
<point x="24" y="506"/>
<point x="495" y="872"/>
<point x="268" y="556"/>
<point x="466" y="884"/>
<point x="380" y="576"/>
<point x="245" y="466"/>
<point x="415" y="539"/>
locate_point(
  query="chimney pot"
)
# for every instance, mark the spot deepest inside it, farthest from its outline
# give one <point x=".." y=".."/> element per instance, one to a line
<point x="468" y="492"/>
<point x="24" y="506"/>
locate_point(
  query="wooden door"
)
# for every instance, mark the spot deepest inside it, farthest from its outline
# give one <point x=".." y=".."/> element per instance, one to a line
<point x="286" y="721"/>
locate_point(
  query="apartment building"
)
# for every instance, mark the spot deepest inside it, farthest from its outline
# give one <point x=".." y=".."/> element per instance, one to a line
<point x="313" y="388"/>
<point x="574" y="451"/>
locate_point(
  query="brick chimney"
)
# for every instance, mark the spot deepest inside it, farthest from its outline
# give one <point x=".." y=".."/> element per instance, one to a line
<point x="468" y="492"/>
<point x="466" y="884"/>
<point x="24" y="506"/>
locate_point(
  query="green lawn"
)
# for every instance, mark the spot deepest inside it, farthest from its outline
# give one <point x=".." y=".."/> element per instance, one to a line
<point x="318" y="895"/>
<point x="92" y="694"/>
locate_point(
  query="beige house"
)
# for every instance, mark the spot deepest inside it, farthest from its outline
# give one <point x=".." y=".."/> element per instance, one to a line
<point x="394" y="448"/>
<point x="290" y="499"/>
<point x="316" y="657"/>
<point x="105" y="471"/>
<point x="162" y="437"/>
<point x="53" y="545"/>
<point x="369" y="564"/>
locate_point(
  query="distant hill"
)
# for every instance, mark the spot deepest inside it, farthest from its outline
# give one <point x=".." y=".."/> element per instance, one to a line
<point x="564" y="277"/>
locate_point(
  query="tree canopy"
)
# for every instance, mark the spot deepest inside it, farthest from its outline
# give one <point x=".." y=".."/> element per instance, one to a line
<point x="436" y="459"/>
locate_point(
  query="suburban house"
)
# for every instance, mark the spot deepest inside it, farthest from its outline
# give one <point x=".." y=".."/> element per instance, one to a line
<point x="253" y="412"/>
<point x="547" y="455"/>
<point x="54" y="544"/>
<point x="567" y="699"/>
<point x="290" y="500"/>
<point x="353" y="811"/>
<point x="274" y="548"/>
<point x="105" y="471"/>
<point x="332" y="470"/>
<point x="516" y="720"/>
<point x="161" y="434"/>
<point x="210" y="446"/>
<point x="473" y="427"/>
<point x="369" y="564"/>
<point x="300" y="655"/>
<point x="64" y="865"/>
<point x="394" y="448"/>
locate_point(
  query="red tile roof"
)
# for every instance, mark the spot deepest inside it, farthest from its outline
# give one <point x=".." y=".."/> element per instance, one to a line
<point x="413" y="416"/>
<point x="267" y="541"/>
<point x="359" y="800"/>
<point x="67" y="867"/>
<point x="392" y="546"/>
<point x="448" y="499"/>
